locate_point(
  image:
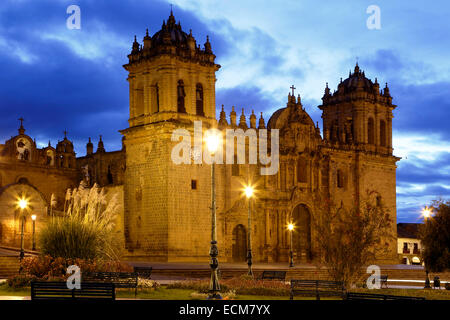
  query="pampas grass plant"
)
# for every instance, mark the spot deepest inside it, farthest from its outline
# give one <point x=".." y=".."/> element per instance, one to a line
<point x="87" y="230"/>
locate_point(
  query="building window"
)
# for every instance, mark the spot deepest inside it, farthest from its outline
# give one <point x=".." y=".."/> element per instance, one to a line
<point x="370" y="132"/>
<point x="157" y="97"/>
<point x="23" y="181"/>
<point x="235" y="168"/>
<point x="194" y="184"/>
<point x="378" y="201"/>
<point x="405" y="247"/>
<point x="110" y="176"/>
<point x="382" y="133"/>
<point x="199" y="99"/>
<point x="340" y="178"/>
<point x="139" y="103"/>
<point x="283" y="176"/>
<point x="181" y="95"/>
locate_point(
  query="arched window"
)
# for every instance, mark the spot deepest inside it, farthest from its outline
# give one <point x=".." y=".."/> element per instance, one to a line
<point x="139" y="102"/>
<point x="181" y="95"/>
<point x="110" y="176"/>
<point x="340" y="178"/>
<point x="157" y="97"/>
<point x="235" y="168"/>
<point x="23" y="181"/>
<point x="382" y="133"/>
<point x="283" y="176"/>
<point x="370" y="131"/>
<point x="199" y="99"/>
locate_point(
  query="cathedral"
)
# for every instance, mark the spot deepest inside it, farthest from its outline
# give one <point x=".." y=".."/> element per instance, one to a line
<point x="166" y="212"/>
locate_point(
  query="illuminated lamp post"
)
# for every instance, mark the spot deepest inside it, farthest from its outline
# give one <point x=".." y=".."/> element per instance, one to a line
<point x="426" y="212"/>
<point x="249" y="193"/>
<point x="291" y="252"/>
<point x="23" y="204"/>
<point x="212" y="143"/>
<point x="33" y="218"/>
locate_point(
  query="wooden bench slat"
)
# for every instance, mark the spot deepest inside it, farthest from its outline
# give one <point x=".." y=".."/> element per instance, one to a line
<point x="41" y="290"/>
<point x="317" y="288"/>
<point x="375" y="296"/>
<point x="273" y="275"/>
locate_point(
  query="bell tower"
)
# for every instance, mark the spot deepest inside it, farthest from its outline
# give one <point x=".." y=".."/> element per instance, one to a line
<point x="357" y="123"/>
<point x="359" y="113"/>
<point x="170" y="77"/>
<point x="172" y="84"/>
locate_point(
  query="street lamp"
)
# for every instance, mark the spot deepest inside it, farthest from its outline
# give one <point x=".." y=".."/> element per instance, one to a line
<point x="249" y="193"/>
<point x="23" y="204"/>
<point x="291" y="252"/>
<point x="212" y="143"/>
<point x="33" y="218"/>
<point x="426" y="212"/>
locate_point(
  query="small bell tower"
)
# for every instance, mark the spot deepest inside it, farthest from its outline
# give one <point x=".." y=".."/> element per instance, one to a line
<point x="358" y="114"/>
<point x="170" y="77"/>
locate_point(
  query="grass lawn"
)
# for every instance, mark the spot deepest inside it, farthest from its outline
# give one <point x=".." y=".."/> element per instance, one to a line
<point x="163" y="293"/>
<point x="6" y="290"/>
<point x="185" y="294"/>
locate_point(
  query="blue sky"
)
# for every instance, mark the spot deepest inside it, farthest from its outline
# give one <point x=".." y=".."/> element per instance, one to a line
<point x="60" y="79"/>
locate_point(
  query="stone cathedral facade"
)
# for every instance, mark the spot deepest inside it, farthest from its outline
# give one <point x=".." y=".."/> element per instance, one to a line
<point x="166" y="214"/>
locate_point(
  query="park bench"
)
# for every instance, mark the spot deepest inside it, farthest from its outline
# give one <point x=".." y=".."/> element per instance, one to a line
<point x="57" y="290"/>
<point x="119" y="279"/>
<point x="384" y="280"/>
<point x="273" y="275"/>
<point x="374" y="296"/>
<point x="144" y="272"/>
<point x="316" y="288"/>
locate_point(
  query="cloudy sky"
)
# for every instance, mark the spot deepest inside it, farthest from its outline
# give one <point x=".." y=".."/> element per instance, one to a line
<point x="60" y="79"/>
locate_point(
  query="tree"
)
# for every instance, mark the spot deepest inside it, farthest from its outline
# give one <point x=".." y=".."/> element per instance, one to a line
<point x="350" y="238"/>
<point x="435" y="237"/>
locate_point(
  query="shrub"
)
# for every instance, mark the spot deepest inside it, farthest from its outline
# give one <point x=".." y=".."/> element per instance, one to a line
<point x="147" y="284"/>
<point x="69" y="237"/>
<point x="87" y="229"/>
<point x="43" y="267"/>
<point x="20" y="281"/>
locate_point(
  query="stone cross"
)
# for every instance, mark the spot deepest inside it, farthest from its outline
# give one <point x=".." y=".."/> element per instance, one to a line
<point x="293" y="88"/>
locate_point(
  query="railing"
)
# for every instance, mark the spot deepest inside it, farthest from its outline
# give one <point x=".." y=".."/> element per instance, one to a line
<point x="416" y="251"/>
<point x="406" y="250"/>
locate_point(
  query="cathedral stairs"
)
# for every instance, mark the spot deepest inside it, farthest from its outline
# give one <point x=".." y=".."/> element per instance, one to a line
<point x="9" y="260"/>
<point x="9" y="265"/>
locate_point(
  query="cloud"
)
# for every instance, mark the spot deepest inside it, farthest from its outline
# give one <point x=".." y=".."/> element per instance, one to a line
<point x="61" y="79"/>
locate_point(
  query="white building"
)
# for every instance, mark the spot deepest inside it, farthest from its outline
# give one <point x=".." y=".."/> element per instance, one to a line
<point x="409" y="245"/>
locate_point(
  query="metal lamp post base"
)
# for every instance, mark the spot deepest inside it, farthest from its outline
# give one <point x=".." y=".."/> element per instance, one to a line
<point x="291" y="262"/>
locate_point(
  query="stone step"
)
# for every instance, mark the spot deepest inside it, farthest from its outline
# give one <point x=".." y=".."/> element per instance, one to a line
<point x="9" y="266"/>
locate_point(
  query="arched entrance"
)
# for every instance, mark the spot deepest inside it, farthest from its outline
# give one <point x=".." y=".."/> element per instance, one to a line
<point x="301" y="237"/>
<point x="239" y="247"/>
<point x="11" y="216"/>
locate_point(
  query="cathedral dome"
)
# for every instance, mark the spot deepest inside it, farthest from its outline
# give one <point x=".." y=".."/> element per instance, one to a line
<point x="293" y="112"/>
<point x="356" y="81"/>
<point x="170" y="33"/>
<point x="273" y="119"/>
